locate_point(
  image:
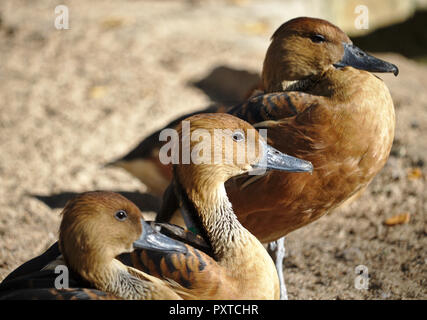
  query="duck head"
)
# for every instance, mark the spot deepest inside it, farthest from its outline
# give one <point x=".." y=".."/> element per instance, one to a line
<point x="223" y="146"/>
<point x="306" y="47"/>
<point x="98" y="226"/>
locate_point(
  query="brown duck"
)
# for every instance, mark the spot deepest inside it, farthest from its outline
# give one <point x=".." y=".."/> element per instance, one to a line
<point x="96" y="227"/>
<point x="235" y="265"/>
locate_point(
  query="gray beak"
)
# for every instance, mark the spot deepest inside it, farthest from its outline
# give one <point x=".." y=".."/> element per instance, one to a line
<point x="357" y="58"/>
<point x="273" y="159"/>
<point x="151" y="239"/>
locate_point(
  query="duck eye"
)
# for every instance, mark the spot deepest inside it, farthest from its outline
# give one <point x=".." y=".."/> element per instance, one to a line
<point x="121" y="215"/>
<point x="238" y="136"/>
<point x="317" y="38"/>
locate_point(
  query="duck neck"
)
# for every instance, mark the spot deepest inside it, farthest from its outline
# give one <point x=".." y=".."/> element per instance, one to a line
<point x="233" y="247"/>
<point x="214" y="212"/>
<point x="116" y="279"/>
<point x="110" y="275"/>
<point x="221" y="224"/>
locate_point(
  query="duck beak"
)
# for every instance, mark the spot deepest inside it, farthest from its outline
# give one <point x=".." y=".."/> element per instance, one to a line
<point x="273" y="159"/>
<point x="357" y="58"/>
<point x="151" y="239"/>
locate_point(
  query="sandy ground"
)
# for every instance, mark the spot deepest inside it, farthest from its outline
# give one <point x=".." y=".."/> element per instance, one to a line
<point x="73" y="100"/>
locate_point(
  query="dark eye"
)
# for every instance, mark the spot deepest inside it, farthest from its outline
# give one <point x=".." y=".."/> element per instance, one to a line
<point x="121" y="215"/>
<point x="238" y="136"/>
<point x="317" y="38"/>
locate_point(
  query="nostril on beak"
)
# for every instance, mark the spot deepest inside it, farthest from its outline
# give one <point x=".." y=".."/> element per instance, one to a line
<point x="361" y="53"/>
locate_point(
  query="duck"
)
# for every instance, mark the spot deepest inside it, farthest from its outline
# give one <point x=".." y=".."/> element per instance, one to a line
<point x="96" y="227"/>
<point x="318" y="100"/>
<point x="234" y="264"/>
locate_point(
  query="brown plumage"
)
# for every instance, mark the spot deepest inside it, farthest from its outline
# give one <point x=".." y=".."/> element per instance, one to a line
<point x="196" y="271"/>
<point x="328" y="111"/>
<point x="326" y="131"/>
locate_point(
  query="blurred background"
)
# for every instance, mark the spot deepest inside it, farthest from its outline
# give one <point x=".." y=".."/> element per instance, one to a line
<point x="72" y="100"/>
